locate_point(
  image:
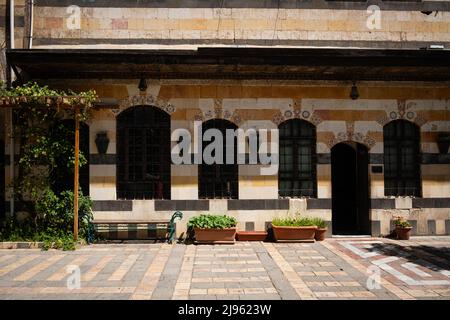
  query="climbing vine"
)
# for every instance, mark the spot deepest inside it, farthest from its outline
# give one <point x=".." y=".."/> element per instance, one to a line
<point x="46" y="147"/>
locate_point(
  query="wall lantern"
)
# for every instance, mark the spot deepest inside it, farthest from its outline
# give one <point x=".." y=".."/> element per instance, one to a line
<point x="142" y="85"/>
<point x="102" y="142"/>
<point x="354" y="94"/>
<point x="443" y="142"/>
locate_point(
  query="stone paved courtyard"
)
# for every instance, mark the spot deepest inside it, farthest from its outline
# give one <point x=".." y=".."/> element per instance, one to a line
<point x="337" y="268"/>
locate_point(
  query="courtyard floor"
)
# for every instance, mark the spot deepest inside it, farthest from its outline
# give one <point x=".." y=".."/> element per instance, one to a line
<point x="338" y="268"/>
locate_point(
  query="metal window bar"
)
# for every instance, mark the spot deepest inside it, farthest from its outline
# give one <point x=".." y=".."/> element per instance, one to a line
<point x="143" y="161"/>
<point x="219" y="181"/>
<point x="298" y="160"/>
<point x="402" y="159"/>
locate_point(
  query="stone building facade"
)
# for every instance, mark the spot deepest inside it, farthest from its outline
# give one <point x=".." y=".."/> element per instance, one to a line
<point x="339" y="123"/>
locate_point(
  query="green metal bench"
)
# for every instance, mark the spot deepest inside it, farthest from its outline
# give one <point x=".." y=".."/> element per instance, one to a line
<point x="138" y="229"/>
<point x="172" y="227"/>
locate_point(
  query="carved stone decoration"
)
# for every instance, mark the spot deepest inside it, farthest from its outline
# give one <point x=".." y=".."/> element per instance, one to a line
<point x="208" y="114"/>
<point x="331" y="142"/>
<point x="144" y="100"/>
<point x="236" y="118"/>
<point x="219" y="113"/>
<point x="401" y="106"/>
<point x="315" y="119"/>
<point x="420" y="119"/>
<point x="350" y="129"/>
<point x="403" y="112"/>
<point x="296" y="113"/>
<point x="367" y="139"/>
<point x="199" y="117"/>
<point x="278" y="118"/>
<point x="288" y="114"/>
<point x="296" y="104"/>
<point x="383" y="119"/>
<point x="226" y="114"/>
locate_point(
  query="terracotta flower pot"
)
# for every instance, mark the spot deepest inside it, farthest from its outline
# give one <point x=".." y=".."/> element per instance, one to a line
<point x="282" y="233"/>
<point x="251" y="235"/>
<point x="403" y="233"/>
<point x="215" y="235"/>
<point x="320" y="234"/>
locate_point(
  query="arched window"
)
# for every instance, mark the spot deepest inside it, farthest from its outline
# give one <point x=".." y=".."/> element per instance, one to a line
<point x="402" y="159"/>
<point x="218" y="181"/>
<point x="143" y="154"/>
<point x="62" y="176"/>
<point x="298" y="159"/>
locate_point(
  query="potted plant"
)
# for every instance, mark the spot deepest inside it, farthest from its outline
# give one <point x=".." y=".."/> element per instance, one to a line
<point x="251" y="235"/>
<point x="213" y="228"/>
<point x="294" y="229"/>
<point x="321" y="229"/>
<point x="443" y="142"/>
<point x="402" y="228"/>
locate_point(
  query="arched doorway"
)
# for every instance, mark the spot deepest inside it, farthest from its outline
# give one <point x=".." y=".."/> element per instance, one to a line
<point x="350" y="189"/>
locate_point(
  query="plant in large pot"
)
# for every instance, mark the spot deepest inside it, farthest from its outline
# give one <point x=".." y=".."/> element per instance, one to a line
<point x="210" y="228"/>
<point x="402" y="228"/>
<point x="321" y="229"/>
<point x="294" y="229"/>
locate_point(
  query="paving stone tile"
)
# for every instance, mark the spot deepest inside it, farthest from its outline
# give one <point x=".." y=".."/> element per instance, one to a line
<point x="326" y="268"/>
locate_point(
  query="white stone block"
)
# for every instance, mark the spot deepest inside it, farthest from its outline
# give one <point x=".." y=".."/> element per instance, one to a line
<point x="403" y="203"/>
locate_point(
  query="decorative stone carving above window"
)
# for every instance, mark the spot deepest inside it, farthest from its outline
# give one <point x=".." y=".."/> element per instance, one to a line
<point x="144" y="100"/>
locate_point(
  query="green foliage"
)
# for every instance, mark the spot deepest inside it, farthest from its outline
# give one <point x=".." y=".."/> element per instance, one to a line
<point x="401" y="223"/>
<point x="293" y="222"/>
<point x="319" y="222"/>
<point x="43" y="147"/>
<point x="55" y="214"/>
<point x="65" y="242"/>
<point x="53" y="223"/>
<point x="35" y="95"/>
<point x="208" y="221"/>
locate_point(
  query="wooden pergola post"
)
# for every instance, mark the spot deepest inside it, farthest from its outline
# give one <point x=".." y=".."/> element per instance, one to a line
<point x="76" y="174"/>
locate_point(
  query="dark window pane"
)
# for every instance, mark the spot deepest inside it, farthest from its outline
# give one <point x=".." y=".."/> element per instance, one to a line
<point x="219" y="181"/>
<point x="143" y="168"/>
<point x="297" y="175"/>
<point x="401" y="159"/>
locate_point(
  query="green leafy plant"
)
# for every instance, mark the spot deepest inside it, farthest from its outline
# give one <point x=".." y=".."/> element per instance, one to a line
<point x="401" y="223"/>
<point x="293" y="222"/>
<point x="320" y="223"/>
<point x="53" y="223"/>
<point x="208" y="221"/>
<point x="45" y="150"/>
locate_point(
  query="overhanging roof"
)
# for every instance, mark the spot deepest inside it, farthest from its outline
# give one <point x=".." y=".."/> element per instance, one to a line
<point x="234" y="63"/>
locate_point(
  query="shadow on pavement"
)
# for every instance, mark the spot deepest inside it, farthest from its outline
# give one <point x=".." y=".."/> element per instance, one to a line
<point x="431" y="257"/>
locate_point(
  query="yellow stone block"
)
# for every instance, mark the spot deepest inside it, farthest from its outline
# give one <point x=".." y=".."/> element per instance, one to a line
<point x="424" y="27"/>
<point x="315" y="25"/>
<point x="136" y="24"/>
<point x="293" y="25"/>
<point x="184" y="181"/>
<point x="193" y="24"/>
<point x="161" y="24"/>
<point x="226" y="24"/>
<point x="251" y="24"/>
<point x="336" y="25"/>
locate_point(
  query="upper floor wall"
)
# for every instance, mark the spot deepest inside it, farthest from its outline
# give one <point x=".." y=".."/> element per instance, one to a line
<point x="144" y="24"/>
